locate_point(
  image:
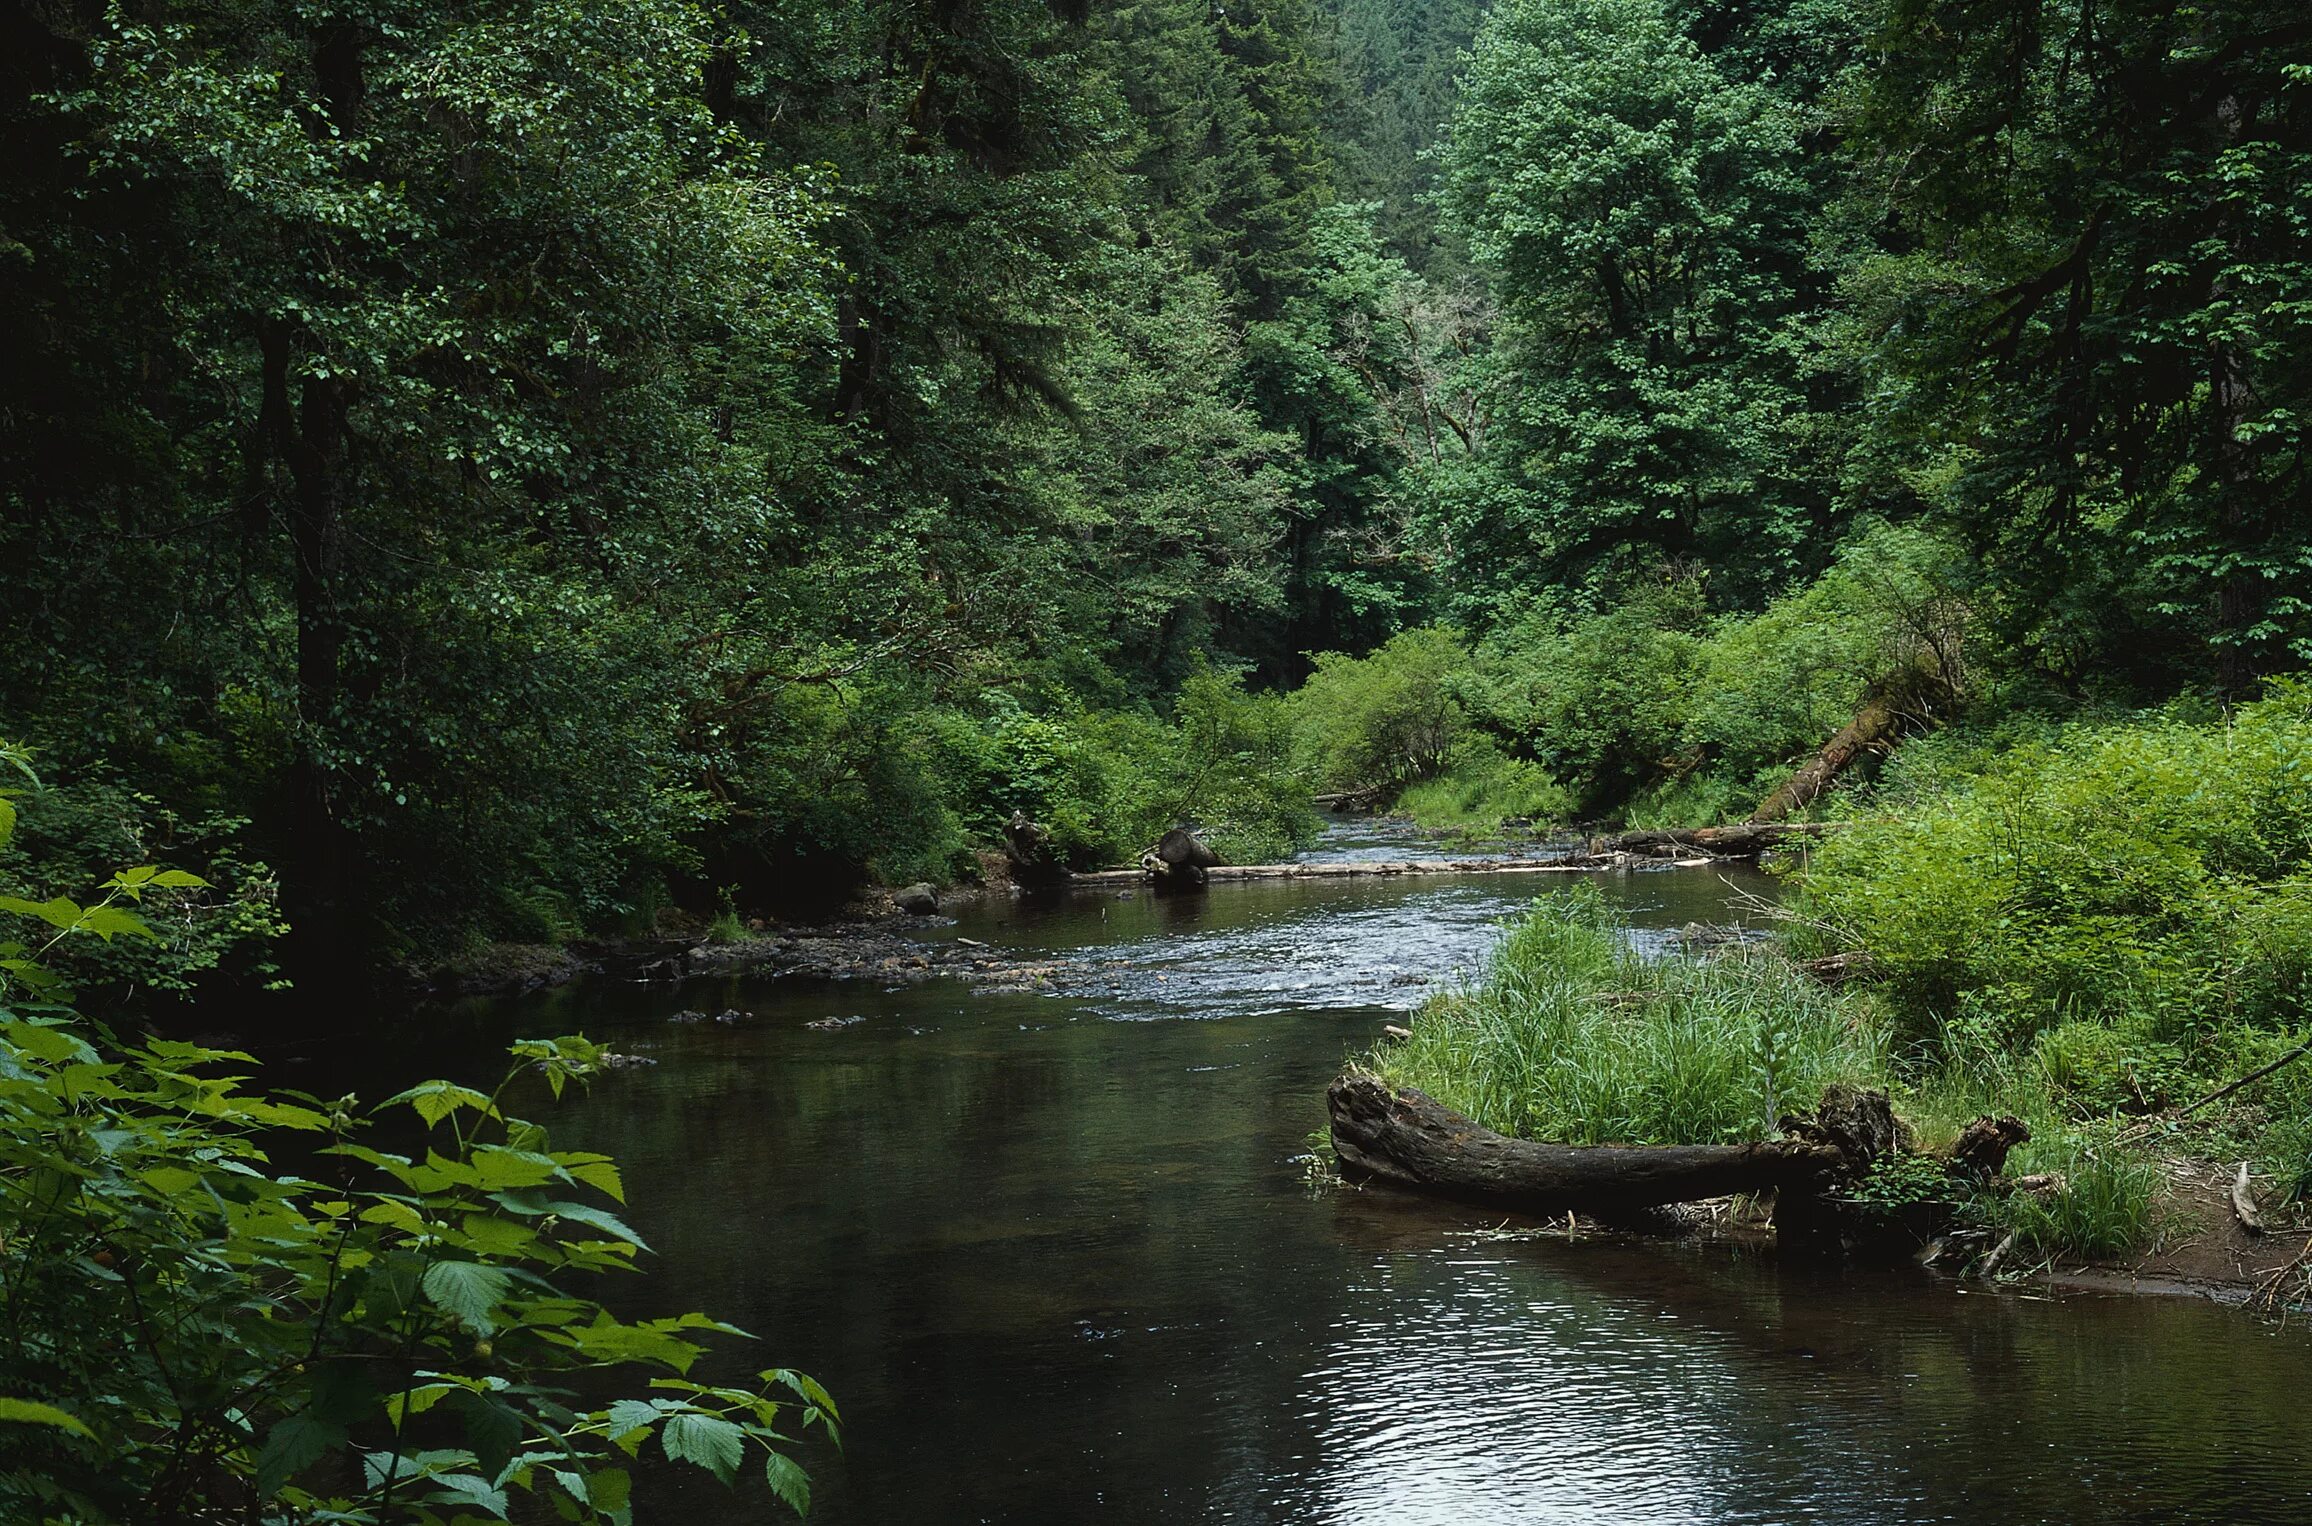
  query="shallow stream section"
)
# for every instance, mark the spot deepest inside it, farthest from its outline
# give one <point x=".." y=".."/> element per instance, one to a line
<point x="1058" y="1258"/>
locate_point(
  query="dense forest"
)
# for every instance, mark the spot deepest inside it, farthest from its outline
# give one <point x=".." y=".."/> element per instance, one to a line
<point x="530" y="471"/>
<point x="486" y="473"/>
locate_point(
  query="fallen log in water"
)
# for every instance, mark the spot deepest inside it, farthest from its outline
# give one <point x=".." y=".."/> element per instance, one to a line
<point x="1408" y="1138"/>
<point x="1584" y="864"/>
<point x="1747" y="840"/>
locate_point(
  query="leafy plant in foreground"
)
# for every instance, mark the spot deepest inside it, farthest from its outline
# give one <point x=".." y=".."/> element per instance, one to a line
<point x="189" y="1331"/>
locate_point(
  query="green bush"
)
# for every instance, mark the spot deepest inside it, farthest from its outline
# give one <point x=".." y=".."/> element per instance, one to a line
<point x="192" y="1332"/>
<point x="1652" y="709"/>
<point x="2159" y="870"/>
<point x="1378" y="723"/>
<point x="1483" y="788"/>
<point x="1599" y="701"/>
<point x="2102" y="1205"/>
<point x="1107" y="783"/>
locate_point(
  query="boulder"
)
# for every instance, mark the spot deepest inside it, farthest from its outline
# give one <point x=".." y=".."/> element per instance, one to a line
<point x="917" y="900"/>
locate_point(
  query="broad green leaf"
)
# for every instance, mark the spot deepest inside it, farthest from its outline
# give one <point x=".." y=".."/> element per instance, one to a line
<point x="295" y="1443"/>
<point x="436" y="1100"/>
<point x="788" y="1481"/>
<point x="474" y="1491"/>
<point x="56" y="912"/>
<point x="597" y="1171"/>
<point x="496" y="1167"/>
<point x="492" y="1427"/>
<point x="598" y="1219"/>
<point x="707" y="1440"/>
<point x="110" y="922"/>
<point x="627" y="1416"/>
<point x="610" y="1489"/>
<point x="468" y="1290"/>
<point x="499" y="1239"/>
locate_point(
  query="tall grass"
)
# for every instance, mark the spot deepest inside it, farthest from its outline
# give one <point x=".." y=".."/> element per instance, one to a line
<point x="1572" y="1035"/>
<point x="2102" y="1201"/>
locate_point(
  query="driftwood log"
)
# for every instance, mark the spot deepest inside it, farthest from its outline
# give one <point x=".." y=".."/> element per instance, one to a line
<point x="1180" y="860"/>
<point x="1409" y="1139"/>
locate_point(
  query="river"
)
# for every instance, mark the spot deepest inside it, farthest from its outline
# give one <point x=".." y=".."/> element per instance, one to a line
<point x="1059" y="1259"/>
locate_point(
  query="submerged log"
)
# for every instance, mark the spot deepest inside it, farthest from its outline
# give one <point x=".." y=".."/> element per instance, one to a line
<point x="1410" y="1139"/>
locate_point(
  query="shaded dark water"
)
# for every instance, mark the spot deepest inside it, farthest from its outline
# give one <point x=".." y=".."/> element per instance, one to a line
<point x="1057" y="1259"/>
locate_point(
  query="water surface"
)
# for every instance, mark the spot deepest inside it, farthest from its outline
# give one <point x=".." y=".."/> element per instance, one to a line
<point x="1058" y="1259"/>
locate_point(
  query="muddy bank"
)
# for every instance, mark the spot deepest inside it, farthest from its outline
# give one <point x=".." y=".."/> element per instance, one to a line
<point x="2201" y="1249"/>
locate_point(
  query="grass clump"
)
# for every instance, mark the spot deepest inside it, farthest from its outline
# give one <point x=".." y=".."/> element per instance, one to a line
<point x="1573" y="1035"/>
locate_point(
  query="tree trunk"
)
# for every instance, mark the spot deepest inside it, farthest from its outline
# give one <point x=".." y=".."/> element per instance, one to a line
<point x="1407" y="1138"/>
<point x="1745" y="841"/>
<point x="1873" y="729"/>
<point x="316" y="892"/>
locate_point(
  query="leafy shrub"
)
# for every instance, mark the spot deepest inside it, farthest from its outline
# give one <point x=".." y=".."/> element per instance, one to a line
<point x="1381" y="722"/>
<point x="1599" y="700"/>
<point x="2103" y="1205"/>
<point x="1484" y="788"/>
<point x="1107" y="783"/>
<point x="2160" y="869"/>
<point x="1651" y="708"/>
<point x="2092" y="1069"/>
<point x="230" y="924"/>
<point x="192" y="1332"/>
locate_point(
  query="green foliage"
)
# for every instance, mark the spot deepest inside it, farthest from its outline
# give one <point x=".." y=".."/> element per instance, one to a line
<point x="1485" y="788"/>
<point x="2084" y="314"/>
<point x="2103" y="1206"/>
<point x="1896" y="1180"/>
<point x="1645" y="223"/>
<point x="1378" y="723"/>
<point x="193" y="1331"/>
<point x="1107" y="784"/>
<point x="1574" y="1036"/>
<point x="1597" y="700"/>
<point x="2154" y="870"/>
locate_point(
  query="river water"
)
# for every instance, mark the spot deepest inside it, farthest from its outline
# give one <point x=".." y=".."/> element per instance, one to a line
<point x="1059" y="1260"/>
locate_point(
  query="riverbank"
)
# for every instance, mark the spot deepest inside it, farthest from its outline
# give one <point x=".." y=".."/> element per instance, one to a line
<point x="1573" y="1037"/>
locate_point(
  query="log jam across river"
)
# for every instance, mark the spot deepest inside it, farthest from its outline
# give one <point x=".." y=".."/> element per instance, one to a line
<point x="1056" y="1257"/>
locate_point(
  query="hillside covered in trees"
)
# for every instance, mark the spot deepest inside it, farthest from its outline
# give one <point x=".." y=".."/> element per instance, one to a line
<point x="512" y="471"/>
